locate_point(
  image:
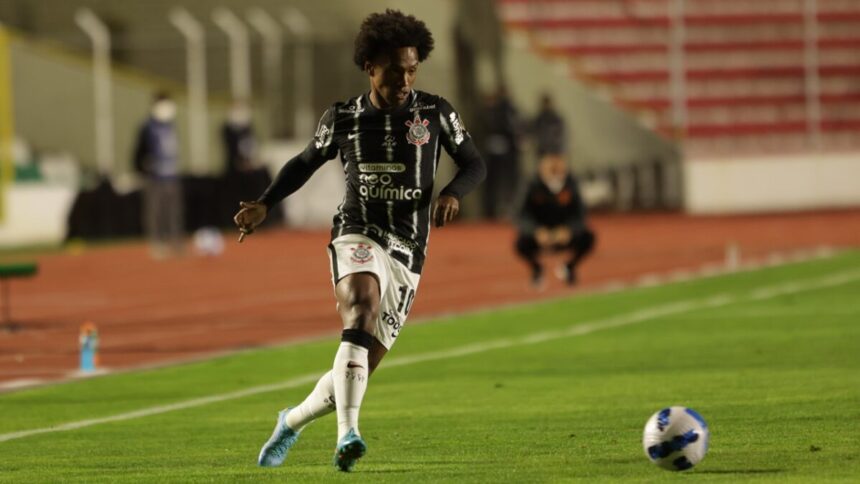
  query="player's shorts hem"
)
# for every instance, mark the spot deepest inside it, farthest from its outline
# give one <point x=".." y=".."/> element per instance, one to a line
<point x="335" y="274"/>
<point x="357" y="253"/>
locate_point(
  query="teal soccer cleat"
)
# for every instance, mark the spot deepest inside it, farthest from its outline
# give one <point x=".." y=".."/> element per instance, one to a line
<point x="350" y="448"/>
<point x="283" y="438"/>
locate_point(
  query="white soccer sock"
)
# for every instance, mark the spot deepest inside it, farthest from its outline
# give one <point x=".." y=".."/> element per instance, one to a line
<point x="350" y="381"/>
<point x="318" y="403"/>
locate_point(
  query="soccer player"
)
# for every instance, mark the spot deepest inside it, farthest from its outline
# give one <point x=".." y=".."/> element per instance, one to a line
<point x="389" y="142"/>
<point x="552" y="219"/>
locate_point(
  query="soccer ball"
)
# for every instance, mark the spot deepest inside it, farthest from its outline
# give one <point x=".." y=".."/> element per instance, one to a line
<point x="676" y="438"/>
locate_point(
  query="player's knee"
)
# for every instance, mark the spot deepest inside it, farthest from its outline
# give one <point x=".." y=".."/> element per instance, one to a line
<point x="362" y="321"/>
<point x="362" y="308"/>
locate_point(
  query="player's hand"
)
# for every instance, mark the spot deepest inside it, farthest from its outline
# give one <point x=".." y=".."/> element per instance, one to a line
<point x="249" y="217"/>
<point x="446" y="208"/>
<point x="543" y="236"/>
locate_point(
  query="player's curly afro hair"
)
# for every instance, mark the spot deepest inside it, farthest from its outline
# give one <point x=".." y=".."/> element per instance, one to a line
<point x="383" y="33"/>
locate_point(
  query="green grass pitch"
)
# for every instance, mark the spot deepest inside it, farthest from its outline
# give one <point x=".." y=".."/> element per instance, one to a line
<point x="549" y="392"/>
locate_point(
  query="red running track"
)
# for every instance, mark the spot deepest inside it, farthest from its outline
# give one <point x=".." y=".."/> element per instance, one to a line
<point x="276" y="287"/>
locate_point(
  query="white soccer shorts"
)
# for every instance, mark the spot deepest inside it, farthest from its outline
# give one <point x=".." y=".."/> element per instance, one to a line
<point x="354" y="253"/>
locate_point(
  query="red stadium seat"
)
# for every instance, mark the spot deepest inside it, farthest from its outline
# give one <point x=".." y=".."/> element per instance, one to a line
<point x="745" y="68"/>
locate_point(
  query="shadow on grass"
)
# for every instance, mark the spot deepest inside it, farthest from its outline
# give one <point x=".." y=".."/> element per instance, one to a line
<point x="387" y="471"/>
<point x="741" y="471"/>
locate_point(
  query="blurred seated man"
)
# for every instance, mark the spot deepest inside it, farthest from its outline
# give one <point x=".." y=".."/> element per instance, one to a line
<point x="552" y="219"/>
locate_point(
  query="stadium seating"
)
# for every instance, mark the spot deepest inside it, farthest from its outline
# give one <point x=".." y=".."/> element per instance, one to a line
<point x="744" y="65"/>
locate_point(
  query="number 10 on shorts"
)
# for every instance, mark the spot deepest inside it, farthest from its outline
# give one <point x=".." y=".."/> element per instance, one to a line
<point x="407" y="296"/>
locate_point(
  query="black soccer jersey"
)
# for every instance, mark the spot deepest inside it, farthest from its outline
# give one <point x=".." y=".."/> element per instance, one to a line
<point x="389" y="161"/>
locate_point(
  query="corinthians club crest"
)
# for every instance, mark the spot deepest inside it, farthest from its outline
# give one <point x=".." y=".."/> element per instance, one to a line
<point x="418" y="133"/>
<point x="361" y="253"/>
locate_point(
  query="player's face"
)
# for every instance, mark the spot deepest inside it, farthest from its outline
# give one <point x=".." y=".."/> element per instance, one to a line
<point x="391" y="78"/>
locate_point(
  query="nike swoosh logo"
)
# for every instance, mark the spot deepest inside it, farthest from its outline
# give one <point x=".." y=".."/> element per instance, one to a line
<point x="351" y="135"/>
<point x="353" y="365"/>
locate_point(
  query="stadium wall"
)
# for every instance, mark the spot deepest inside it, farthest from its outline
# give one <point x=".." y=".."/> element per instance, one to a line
<point x="37" y="214"/>
<point x="771" y="183"/>
<point x="53" y="105"/>
<point x="146" y="43"/>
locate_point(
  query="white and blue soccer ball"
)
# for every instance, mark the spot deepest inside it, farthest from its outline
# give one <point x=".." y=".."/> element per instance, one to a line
<point x="676" y="438"/>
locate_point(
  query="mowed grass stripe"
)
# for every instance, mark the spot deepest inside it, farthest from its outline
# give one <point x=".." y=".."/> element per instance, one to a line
<point x="580" y="329"/>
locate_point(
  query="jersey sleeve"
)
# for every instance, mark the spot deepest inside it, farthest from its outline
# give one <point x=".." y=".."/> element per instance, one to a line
<point x="298" y="170"/>
<point x="459" y="144"/>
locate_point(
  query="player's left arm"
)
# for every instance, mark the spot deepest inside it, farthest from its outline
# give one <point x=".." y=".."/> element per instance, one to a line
<point x="292" y="176"/>
<point x="471" y="169"/>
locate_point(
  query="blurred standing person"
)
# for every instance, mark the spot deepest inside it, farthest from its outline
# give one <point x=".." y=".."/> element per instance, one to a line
<point x="237" y="136"/>
<point x="552" y="219"/>
<point x="501" y="126"/>
<point x="156" y="158"/>
<point x="548" y="129"/>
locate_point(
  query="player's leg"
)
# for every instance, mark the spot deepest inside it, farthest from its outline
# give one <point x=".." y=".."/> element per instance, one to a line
<point x="358" y="298"/>
<point x="528" y="249"/>
<point x="581" y="244"/>
<point x="358" y="304"/>
<point x="376" y="354"/>
<point x="360" y="271"/>
<point x="319" y="403"/>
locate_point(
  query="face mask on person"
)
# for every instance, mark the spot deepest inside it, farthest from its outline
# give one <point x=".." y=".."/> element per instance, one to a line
<point x="553" y="172"/>
<point x="554" y="184"/>
<point x="239" y="116"/>
<point x="164" y="111"/>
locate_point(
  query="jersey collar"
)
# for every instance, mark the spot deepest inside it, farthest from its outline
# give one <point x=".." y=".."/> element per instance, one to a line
<point x="413" y="95"/>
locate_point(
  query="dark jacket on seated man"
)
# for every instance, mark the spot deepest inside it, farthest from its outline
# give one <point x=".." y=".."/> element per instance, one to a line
<point x="553" y="218"/>
<point x="543" y="208"/>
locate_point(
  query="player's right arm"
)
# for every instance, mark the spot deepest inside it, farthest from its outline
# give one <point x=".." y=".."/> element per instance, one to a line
<point x="292" y="176"/>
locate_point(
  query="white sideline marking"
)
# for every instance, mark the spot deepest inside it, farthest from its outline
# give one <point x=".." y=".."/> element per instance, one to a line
<point x="534" y="338"/>
<point x="21" y="383"/>
<point x="163" y="408"/>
